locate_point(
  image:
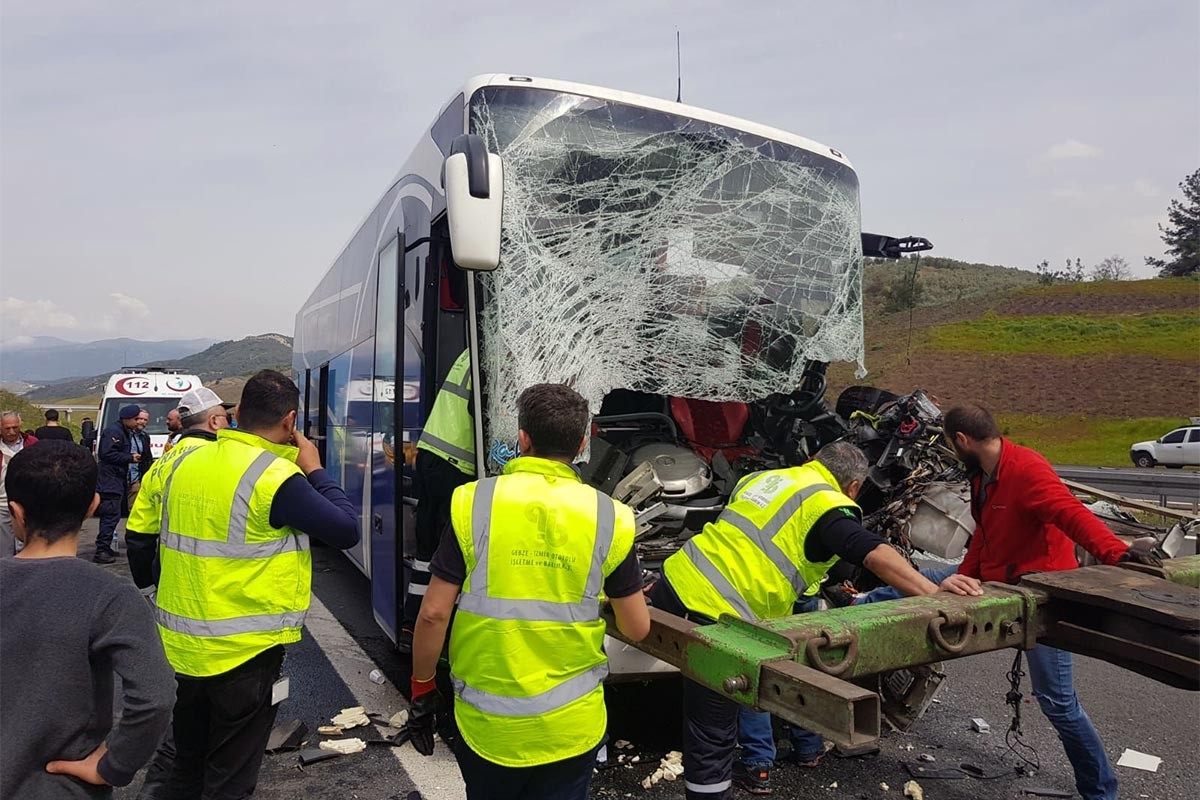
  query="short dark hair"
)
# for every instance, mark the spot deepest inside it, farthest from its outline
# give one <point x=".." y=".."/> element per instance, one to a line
<point x="555" y="417"/>
<point x="51" y="415"/>
<point x="54" y="481"/>
<point x="971" y="419"/>
<point x="267" y="398"/>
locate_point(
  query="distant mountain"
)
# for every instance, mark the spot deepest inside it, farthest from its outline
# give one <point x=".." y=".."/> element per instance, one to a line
<point x="42" y="359"/>
<point x="229" y="359"/>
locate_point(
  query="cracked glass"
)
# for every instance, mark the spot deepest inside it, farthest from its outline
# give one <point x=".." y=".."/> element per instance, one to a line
<point x="656" y="252"/>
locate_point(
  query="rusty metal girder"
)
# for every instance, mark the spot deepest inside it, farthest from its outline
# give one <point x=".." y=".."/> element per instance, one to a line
<point x="1128" y="618"/>
<point x="799" y="667"/>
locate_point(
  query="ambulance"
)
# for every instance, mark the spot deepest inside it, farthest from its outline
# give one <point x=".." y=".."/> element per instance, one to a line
<point x="153" y="389"/>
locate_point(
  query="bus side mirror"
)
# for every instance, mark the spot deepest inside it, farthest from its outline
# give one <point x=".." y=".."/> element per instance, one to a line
<point x="474" y="182"/>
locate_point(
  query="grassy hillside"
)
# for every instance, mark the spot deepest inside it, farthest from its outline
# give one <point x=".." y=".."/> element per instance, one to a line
<point x="1078" y="370"/>
<point x="223" y="360"/>
<point x="31" y="416"/>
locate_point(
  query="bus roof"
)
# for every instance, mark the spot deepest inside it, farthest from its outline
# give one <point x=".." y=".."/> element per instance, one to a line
<point x="477" y="82"/>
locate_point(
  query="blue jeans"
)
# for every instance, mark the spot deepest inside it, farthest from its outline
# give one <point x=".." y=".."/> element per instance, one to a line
<point x="758" y="741"/>
<point x="1053" y="683"/>
<point x="755" y="736"/>
<point x="888" y="593"/>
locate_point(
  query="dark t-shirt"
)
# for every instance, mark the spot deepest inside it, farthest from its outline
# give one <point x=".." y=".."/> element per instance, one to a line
<point x="49" y="432"/>
<point x="838" y="532"/>
<point x="449" y="565"/>
<point x="68" y="628"/>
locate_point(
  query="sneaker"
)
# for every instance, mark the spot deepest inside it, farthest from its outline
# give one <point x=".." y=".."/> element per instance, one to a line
<point x="755" y="780"/>
<point x="807" y="760"/>
<point x="104" y="556"/>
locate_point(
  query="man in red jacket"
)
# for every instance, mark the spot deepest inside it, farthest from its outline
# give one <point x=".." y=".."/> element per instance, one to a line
<point x="1027" y="520"/>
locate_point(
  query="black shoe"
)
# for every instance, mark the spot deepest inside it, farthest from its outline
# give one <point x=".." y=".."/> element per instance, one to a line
<point x="405" y="640"/>
<point x="104" y="556"/>
<point x="755" y="780"/>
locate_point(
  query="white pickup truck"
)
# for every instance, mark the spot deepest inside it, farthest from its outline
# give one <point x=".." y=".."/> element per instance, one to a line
<point x="1179" y="448"/>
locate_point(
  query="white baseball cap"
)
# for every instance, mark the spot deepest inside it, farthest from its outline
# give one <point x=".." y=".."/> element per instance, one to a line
<point x="199" y="400"/>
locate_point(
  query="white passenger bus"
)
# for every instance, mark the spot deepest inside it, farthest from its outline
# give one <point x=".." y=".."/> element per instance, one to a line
<point x="688" y="272"/>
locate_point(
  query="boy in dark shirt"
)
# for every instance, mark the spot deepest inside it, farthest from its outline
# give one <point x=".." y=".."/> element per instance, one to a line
<point x="69" y="619"/>
<point x="52" y="430"/>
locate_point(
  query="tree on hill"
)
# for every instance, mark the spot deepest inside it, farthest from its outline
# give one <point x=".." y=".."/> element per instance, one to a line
<point x="1113" y="268"/>
<point x="1182" y="232"/>
<point x="1072" y="272"/>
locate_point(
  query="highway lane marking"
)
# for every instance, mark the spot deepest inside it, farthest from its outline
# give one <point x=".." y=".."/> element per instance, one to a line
<point x="437" y="777"/>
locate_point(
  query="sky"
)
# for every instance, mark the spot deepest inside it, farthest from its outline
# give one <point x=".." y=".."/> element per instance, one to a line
<point x="179" y="170"/>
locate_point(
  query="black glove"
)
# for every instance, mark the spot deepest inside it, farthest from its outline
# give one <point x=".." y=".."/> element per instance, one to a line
<point x="1144" y="550"/>
<point x="422" y="716"/>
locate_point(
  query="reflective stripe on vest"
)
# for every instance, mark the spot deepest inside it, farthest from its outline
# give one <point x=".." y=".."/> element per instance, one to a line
<point x="254" y="623"/>
<point x="717" y="578"/>
<point x="478" y="601"/>
<point x="566" y="692"/>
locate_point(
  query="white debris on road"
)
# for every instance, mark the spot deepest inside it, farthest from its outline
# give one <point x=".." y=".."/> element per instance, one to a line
<point x="351" y="718"/>
<point x="344" y="746"/>
<point x="399" y="719"/>
<point x="980" y="725"/>
<point x="1142" y="761"/>
<point x="913" y="789"/>
<point x="669" y="768"/>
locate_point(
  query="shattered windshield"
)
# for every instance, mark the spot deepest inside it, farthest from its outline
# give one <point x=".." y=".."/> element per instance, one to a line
<point x="660" y="253"/>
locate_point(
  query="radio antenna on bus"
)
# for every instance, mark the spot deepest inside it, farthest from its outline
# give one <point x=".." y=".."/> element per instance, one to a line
<point x="678" y="71"/>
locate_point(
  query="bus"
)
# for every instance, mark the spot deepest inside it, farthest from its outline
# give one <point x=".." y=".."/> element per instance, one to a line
<point x="691" y="274"/>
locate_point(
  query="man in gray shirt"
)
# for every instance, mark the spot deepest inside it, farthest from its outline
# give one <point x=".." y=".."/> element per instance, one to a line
<point x="69" y="626"/>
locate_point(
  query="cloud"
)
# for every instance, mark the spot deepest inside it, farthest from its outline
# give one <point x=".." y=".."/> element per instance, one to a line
<point x="35" y="316"/>
<point x="1071" y="148"/>
<point x="125" y="313"/>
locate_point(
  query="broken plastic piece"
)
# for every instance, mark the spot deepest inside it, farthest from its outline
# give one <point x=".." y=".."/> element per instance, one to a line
<point x="926" y="757"/>
<point x="287" y="736"/>
<point x="884" y="786"/>
<point x="913" y="790"/>
<point x="315" y="755"/>
<point x="1142" y="761"/>
<point x="980" y="725"/>
<point x="399" y="719"/>
<point x="344" y="746"/>
<point x="329" y="730"/>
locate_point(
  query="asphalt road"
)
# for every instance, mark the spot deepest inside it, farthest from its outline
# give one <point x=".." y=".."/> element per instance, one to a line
<point x="329" y="670"/>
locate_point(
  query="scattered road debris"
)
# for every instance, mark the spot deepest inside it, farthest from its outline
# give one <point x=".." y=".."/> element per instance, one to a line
<point x="315" y="755"/>
<point x="913" y="790"/>
<point x="622" y="744"/>
<point x="1043" y="791"/>
<point x="833" y="785"/>
<point x="399" y="719"/>
<point x="884" y="786"/>
<point x="287" y="736"/>
<point x="1136" y="760"/>
<point x="926" y="757"/>
<point x="669" y="768"/>
<point x="376" y="676"/>
<point x="329" y="730"/>
<point x="934" y="773"/>
<point x="352" y="717"/>
<point x="980" y="725"/>
<point x="344" y="746"/>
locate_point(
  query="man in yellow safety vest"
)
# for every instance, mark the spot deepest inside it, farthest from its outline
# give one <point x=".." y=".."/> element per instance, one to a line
<point x="530" y="554"/>
<point x="232" y="521"/>
<point x="445" y="461"/>
<point x="780" y="533"/>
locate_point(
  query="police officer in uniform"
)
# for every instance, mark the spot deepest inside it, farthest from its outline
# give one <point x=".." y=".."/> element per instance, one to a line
<point x="526" y="560"/>
<point x="772" y="545"/>
<point x="445" y="461"/>
<point x="236" y="571"/>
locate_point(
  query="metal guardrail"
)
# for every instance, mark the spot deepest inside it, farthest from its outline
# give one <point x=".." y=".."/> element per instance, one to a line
<point x="1165" y="487"/>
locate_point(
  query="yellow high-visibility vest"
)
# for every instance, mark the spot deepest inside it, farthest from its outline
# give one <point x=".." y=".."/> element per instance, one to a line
<point x="232" y="585"/>
<point x="146" y="513"/>
<point x="750" y="562"/>
<point x="450" y="430"/>
<point x="526" y="653"/>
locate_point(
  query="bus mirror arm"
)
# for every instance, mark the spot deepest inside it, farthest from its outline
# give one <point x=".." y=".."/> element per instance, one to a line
<point x="877" y="245"/>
